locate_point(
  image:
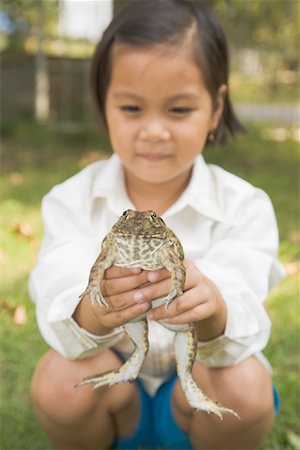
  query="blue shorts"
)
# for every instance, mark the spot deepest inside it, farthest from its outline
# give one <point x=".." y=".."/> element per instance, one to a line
<point x="157" y="427"/>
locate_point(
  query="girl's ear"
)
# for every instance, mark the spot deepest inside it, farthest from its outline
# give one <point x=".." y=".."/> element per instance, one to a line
<point x="218" y="107"/>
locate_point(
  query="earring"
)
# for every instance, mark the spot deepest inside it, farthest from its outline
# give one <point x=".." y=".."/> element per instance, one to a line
<point x="211" y="136"/>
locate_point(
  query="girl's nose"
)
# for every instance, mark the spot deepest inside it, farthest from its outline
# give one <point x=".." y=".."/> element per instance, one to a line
<point x="155" y="132"/>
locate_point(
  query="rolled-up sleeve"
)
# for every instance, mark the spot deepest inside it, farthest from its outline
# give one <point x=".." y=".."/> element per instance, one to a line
<point x="61" y="275"/>
<point x="245" y="267"/>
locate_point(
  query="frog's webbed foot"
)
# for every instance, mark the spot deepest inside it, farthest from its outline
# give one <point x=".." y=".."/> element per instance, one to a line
<point x="94" y="294"/>
<point x="129" y="371"/>
<point x="185" y="353"/>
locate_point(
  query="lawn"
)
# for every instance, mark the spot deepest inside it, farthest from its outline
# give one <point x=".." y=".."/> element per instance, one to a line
<point x="34" y="158"/>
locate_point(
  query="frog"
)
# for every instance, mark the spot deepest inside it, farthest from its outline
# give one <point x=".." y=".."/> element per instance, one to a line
<point x="141" y="239"/>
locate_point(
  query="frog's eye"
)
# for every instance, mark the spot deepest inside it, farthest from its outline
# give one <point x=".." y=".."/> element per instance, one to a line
<point x="126" y="213"/>
<point x="153" y="215"/>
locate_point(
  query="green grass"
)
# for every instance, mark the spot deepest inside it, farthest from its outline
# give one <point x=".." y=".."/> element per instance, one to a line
<point x="37" y="157"/>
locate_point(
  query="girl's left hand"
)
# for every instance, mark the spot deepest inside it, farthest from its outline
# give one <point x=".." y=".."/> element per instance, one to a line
<point x="201" y="303"/>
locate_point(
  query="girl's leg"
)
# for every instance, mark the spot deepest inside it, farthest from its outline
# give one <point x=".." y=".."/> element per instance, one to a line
<point x="82" y="418"/>
<point x="246" y="388"/>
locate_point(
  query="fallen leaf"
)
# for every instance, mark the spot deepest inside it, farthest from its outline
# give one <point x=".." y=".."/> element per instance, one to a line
<point x="6" y="306"/>
<point x="20" y="315"/>
<point x="292" y="268"/>
<point x="16" y="178"/>
<point x="24" y="229"/>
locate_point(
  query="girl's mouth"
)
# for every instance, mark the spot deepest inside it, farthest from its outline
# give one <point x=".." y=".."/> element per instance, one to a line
<point x="155" y="157"/>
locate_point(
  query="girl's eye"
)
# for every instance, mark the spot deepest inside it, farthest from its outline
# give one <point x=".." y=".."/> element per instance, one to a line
<point x="180" y="110"/>
<point x="133" y="109"/>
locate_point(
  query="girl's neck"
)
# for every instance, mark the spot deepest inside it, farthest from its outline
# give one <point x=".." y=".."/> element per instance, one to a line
<point x="157" y="197"/>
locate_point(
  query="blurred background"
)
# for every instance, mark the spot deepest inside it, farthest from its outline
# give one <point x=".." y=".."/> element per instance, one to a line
<point x="49" y="132"/>
<point x="46" y="47"/>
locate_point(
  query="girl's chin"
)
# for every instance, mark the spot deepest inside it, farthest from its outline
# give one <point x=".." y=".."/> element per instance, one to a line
<point x="154" y="176"/>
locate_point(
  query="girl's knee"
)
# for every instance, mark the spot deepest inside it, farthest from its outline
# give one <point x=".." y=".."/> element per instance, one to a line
<point x="53" y="390"/>
<point x="252" y="390"/>
<point x="52" y="393"/>
<point x="42" y="380"/>
<point x="246" y="388"/>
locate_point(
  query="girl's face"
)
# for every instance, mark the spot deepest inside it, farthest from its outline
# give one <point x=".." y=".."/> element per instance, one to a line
<point x="158" y="112"/>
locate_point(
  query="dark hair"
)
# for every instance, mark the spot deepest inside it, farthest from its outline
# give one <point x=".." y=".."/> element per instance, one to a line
<point x="144" y="23"/>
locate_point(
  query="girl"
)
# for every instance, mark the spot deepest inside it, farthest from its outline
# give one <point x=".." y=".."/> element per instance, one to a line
<point x="160" y="86"/>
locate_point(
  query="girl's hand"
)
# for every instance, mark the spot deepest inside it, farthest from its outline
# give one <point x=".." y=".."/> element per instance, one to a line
<point x="201" y="303"/>
<point x="128" y="293"/>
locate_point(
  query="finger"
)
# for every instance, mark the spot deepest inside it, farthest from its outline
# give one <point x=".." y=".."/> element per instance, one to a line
<point x="118" y="318"/>
<point x="197" y="291"/>
<point x="146" y="293"/>
<point x="122" y="301"/>
<point x="193" y="275"/>
<point x="181" y="305"/>
<point x="116" y="286"/>
<point x="117" y="272"/>
<point x="200" y="312"/>
<point x="152" y="291"/>
<point x="157" y="275"/>
<point x="120" y="285"/>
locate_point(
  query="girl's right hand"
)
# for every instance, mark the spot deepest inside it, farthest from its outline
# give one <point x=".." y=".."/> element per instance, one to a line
<point x="128" y="292"/>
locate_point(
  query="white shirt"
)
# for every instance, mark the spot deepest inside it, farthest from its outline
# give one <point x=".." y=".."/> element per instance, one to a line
<point x="227" y="228"/>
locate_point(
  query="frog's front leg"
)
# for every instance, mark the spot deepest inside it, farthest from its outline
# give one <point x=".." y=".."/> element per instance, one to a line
<point x="185" y="354"/>
<point x="104" y="261"/>
<point x="175" y="265"/>
<point x="129" y="371"/>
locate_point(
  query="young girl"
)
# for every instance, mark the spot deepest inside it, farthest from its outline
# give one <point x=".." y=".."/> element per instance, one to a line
<point x="160" y="85"/>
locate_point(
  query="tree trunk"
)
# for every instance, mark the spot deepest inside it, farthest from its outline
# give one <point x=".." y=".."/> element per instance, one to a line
<point x="117" y="5"/>
<point x="42" y="101"/>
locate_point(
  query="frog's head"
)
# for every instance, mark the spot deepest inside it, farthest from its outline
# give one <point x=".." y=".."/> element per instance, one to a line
<point x="144" y="223"/>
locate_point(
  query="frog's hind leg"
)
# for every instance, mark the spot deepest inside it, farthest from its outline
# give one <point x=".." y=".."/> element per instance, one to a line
<point x="185" y="354"/>
<point x="128" y="372"/>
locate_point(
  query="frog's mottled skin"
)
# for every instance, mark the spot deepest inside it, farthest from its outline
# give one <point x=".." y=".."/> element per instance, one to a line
<point x="141" y="239"/>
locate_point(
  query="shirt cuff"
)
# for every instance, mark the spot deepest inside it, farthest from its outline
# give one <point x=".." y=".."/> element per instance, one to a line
<point x="93" y="341"/>
<point x="215" y="353"/>
<point x="79" y="343"/>
<point x="225" y="351"/>
<point x="64" y="334"/>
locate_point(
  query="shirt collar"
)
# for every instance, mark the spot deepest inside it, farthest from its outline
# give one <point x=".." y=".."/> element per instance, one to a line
<point x="200" y="194"/>
<point x="110" y="184"/>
